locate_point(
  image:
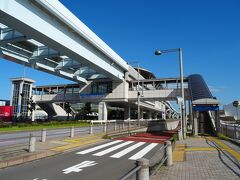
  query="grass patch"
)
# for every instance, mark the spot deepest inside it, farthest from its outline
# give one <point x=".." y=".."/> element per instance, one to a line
<point x="39" y="126"/>
<point x="222" y="136"/>
<point x="106" y="137"/>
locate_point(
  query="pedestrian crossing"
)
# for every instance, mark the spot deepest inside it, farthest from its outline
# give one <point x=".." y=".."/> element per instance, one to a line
<point x="119" y="148"/>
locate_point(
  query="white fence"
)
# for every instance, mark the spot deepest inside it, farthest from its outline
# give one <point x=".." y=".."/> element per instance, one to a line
<point x="230" y="130"/>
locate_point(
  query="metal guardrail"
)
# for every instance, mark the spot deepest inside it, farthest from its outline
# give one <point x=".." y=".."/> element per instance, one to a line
<point x="230" y="130"/>
<point x="94" y="127"/>
<point x="131" y="173"/>
<point x="143" y="167"/>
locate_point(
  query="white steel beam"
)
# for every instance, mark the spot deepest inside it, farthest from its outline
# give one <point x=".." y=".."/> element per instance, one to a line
<point x="21" y="59"/>
<point x="51" y="24"/>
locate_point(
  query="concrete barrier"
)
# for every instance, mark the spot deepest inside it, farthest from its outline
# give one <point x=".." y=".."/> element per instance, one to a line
<point x="168" y="152"/>
<point x="143" y="173"/>
<point x="91" y="129"/>
<point x="44" y="135"/>
<point x="72" y="132"/>
<point x="32" y="143"/>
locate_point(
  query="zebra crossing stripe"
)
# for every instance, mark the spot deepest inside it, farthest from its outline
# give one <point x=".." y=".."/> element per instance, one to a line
<point x="98" y="147"/>
<point x="144" y="151"/>
<point x="129" y="149"/>
<point x="112" y="148"/>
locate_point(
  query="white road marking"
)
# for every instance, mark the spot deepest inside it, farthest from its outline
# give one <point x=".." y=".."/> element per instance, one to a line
<point x="144" y="151"/>
<point x="129" y="149"/>
<point x="113" y="148"/>
<point x="98" y="147"/>
<point x="78" y="167"/>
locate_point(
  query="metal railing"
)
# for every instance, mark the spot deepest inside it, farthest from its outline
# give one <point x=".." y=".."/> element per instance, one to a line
<point x="144" y="167"/>
<point x="230" y="130"/>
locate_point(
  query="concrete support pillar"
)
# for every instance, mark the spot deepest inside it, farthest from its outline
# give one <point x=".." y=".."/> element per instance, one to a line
<point x="102" y="111"/>
<point x="33" y="115"/>
<point x="141" y="114"/>
<point x="217" y="121"/>
<point x="154" y="116"/>
<point x="150" y="115"/>
<point x="201" y="122"/>
<point x="180" y="135"/>
<point x="115" y="126"/>
<point x="164" y="112"/>
<point x="127" y="112"/>
<point x="163" y="115"/>
<point x="190" y="114"/>
<point x="195" y="123"/>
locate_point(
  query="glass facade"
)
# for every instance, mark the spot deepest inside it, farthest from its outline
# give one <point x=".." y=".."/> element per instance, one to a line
<point x="101" y="87"/>
<point x="25" y="97"/>
<point x="16" y="87"/>
<point x="21" y="92"/>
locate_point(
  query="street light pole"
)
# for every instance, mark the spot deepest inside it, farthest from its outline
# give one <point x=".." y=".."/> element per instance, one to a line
<point x="183" y="125"/>
<point x="138" y="99"/>
<point x="183" y="119"/>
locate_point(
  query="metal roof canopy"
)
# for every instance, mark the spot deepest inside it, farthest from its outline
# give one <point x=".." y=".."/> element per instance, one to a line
<point x="206" y="102"/>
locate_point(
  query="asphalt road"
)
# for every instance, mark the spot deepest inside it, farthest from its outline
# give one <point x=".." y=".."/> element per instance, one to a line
<point x="109" y="161"/>
<point x="13" y="138"/>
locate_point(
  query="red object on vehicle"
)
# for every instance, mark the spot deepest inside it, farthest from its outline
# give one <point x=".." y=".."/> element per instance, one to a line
<point x="6" y="113"/>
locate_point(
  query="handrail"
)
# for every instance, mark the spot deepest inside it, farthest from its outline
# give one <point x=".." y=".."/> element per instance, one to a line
<point x="152" y="164"/>
<point x="155" y="158"/>
<point x="130" y="173"/>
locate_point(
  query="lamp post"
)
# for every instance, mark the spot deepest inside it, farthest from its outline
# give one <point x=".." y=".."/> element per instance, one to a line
<point x="138" y="98"/>
<point x="183" y="122"/>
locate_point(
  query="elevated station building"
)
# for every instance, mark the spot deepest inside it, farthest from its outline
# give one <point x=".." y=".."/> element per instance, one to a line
<point x="46" y="36"/>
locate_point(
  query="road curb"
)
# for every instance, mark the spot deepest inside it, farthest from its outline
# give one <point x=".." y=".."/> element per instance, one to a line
<point x="40" y="155"/>
<point x="26" y="158"/>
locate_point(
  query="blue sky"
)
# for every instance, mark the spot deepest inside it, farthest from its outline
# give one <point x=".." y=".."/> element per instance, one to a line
<point x="207" y="30"/>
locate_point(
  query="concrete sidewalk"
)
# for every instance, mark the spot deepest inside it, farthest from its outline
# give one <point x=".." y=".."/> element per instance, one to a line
<point x="18" y="154"/>
<point x="202" y="158"/>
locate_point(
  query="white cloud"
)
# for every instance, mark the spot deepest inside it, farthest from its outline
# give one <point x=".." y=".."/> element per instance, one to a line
<point x="215" y="89"/>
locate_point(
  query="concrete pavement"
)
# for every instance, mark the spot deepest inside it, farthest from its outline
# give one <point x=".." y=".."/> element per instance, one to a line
<point x="18" y="153"/>
<point x="194" y="158"/>
<point x="110" y="159"/>
<point x="202" y="158"/>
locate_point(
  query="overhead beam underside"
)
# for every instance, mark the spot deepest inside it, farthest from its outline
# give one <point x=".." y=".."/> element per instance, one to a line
<point x="51" y="33"/>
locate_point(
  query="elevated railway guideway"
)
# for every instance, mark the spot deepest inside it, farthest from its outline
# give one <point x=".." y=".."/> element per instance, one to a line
<point x="46" y="36"/>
